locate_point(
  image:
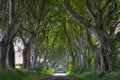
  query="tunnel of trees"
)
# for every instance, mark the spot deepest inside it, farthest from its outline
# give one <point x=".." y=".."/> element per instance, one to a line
<point x="74" y="35"/>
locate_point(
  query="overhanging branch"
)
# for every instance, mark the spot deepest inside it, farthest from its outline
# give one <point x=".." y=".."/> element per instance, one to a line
<point x="79" y="19"/>
<point x="90" y="11"/>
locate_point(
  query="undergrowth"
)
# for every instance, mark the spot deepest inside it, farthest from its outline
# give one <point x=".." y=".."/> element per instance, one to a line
<point x="17" y="74"/>
<point x="95" y="76"/>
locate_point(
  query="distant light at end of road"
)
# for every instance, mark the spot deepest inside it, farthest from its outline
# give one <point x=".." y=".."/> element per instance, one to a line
<point x="59" y="74"/>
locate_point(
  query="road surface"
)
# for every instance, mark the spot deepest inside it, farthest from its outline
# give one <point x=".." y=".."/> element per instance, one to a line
<point x="59" y="75"/>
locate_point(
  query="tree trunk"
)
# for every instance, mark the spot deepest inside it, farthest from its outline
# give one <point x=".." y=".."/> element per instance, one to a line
<point x="96" y="60"/>
<point x="26" y="58"/>
<point x="26" y="55"/>
<point x="73" y="58"/>
<point x="105" y="59"/>
<point x="9" y="35"/>
<point x="78" y="58"/>
<point x="85" y="63"/>
<point x="10" y="61"/>
<point x="35" y="55"/>
<point x="3" y="53"/>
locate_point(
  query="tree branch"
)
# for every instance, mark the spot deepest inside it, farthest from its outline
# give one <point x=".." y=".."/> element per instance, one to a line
<point x="106" y="4"/>
<point x="111" y="12"/>
<point x="116" y="37"/>
<point x="22" y="38"/>
<point x="90" y="11"/>
<point x="79" y="19"/>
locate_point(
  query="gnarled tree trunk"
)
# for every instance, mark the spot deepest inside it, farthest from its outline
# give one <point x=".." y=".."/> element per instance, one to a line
<point x="10" y="61"/>
<point x="9" y="35"/>
<point x="105" y="59"/>
<point x="101" y="24"/>
<point x="3" y="53"/>
<point x="35" y="55"/>
<point x="26" y="55"/>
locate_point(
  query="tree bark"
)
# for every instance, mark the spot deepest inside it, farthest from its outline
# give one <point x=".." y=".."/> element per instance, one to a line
<point x="100" y="31"/>
<point x="85" y="61"/>
<point x="10" y="61"/>
<point x="105" y="59"/>
<point x="26" y="55"/>
<point x="78" y="58"/>
<point x="35" y="55"/>
<point x="3" y="53"/>
<point x="9" y="35"/>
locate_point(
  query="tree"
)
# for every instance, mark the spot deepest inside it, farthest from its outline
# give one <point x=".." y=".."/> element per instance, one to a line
<point x="101" y="14"/>
<point x="6" y="41"/>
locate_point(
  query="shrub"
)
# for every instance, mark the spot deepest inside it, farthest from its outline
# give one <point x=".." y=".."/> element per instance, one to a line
<point x="95" y="76"/>
<point x="89" y="76"/>
<point x="74" y="68"/>
<point x="38" y="68"/>
<point x="111" y="76"/>
<point x="14" y="74"/>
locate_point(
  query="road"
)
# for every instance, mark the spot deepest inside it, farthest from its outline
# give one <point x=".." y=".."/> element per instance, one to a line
<point x="59" y="75"/>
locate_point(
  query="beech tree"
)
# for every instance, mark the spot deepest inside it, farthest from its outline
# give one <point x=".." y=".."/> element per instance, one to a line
<point x="101" y="14"/>
<point x="81" y="35"/>
<point x="6" y="43"/>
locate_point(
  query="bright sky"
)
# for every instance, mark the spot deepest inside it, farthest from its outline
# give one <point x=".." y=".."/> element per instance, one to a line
<point x="18" y="46"/>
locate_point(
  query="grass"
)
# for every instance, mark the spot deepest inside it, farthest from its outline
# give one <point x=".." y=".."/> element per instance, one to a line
<point x="112" y="76"/>
<point x="17" y="74"/>
<point x="95" y="76"/>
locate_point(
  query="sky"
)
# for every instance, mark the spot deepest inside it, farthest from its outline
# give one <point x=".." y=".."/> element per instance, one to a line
<point x="18" y="46"/>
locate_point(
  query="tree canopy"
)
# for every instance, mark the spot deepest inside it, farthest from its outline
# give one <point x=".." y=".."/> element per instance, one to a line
<point x="54" y="33"/>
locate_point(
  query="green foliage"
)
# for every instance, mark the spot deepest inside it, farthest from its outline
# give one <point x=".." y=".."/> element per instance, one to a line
<point x="74" y="69"/>
<point x="118" y="63"/>
<point x="4" y="24"/>
<point x="95" y="76"/>
<point x="111" y="76"/>
<point x="90" y="76"/>
<point x="43" y="70"/>
<point x="86" y="76"/>
<point x="46" y="68"/>
<point x="1" y="66"/>
<point x="16" y="74"/>
<point x="79" y="6"/>
<point x="38" y="68"/>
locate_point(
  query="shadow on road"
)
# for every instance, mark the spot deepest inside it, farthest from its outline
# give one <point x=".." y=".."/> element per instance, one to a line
<point x="59" y="75"/>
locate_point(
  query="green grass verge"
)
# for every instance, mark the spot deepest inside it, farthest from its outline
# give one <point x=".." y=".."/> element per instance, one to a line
<point x="21" y="74"/>
<point x="95" y="76"/>
<point x="111" y="76"/>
